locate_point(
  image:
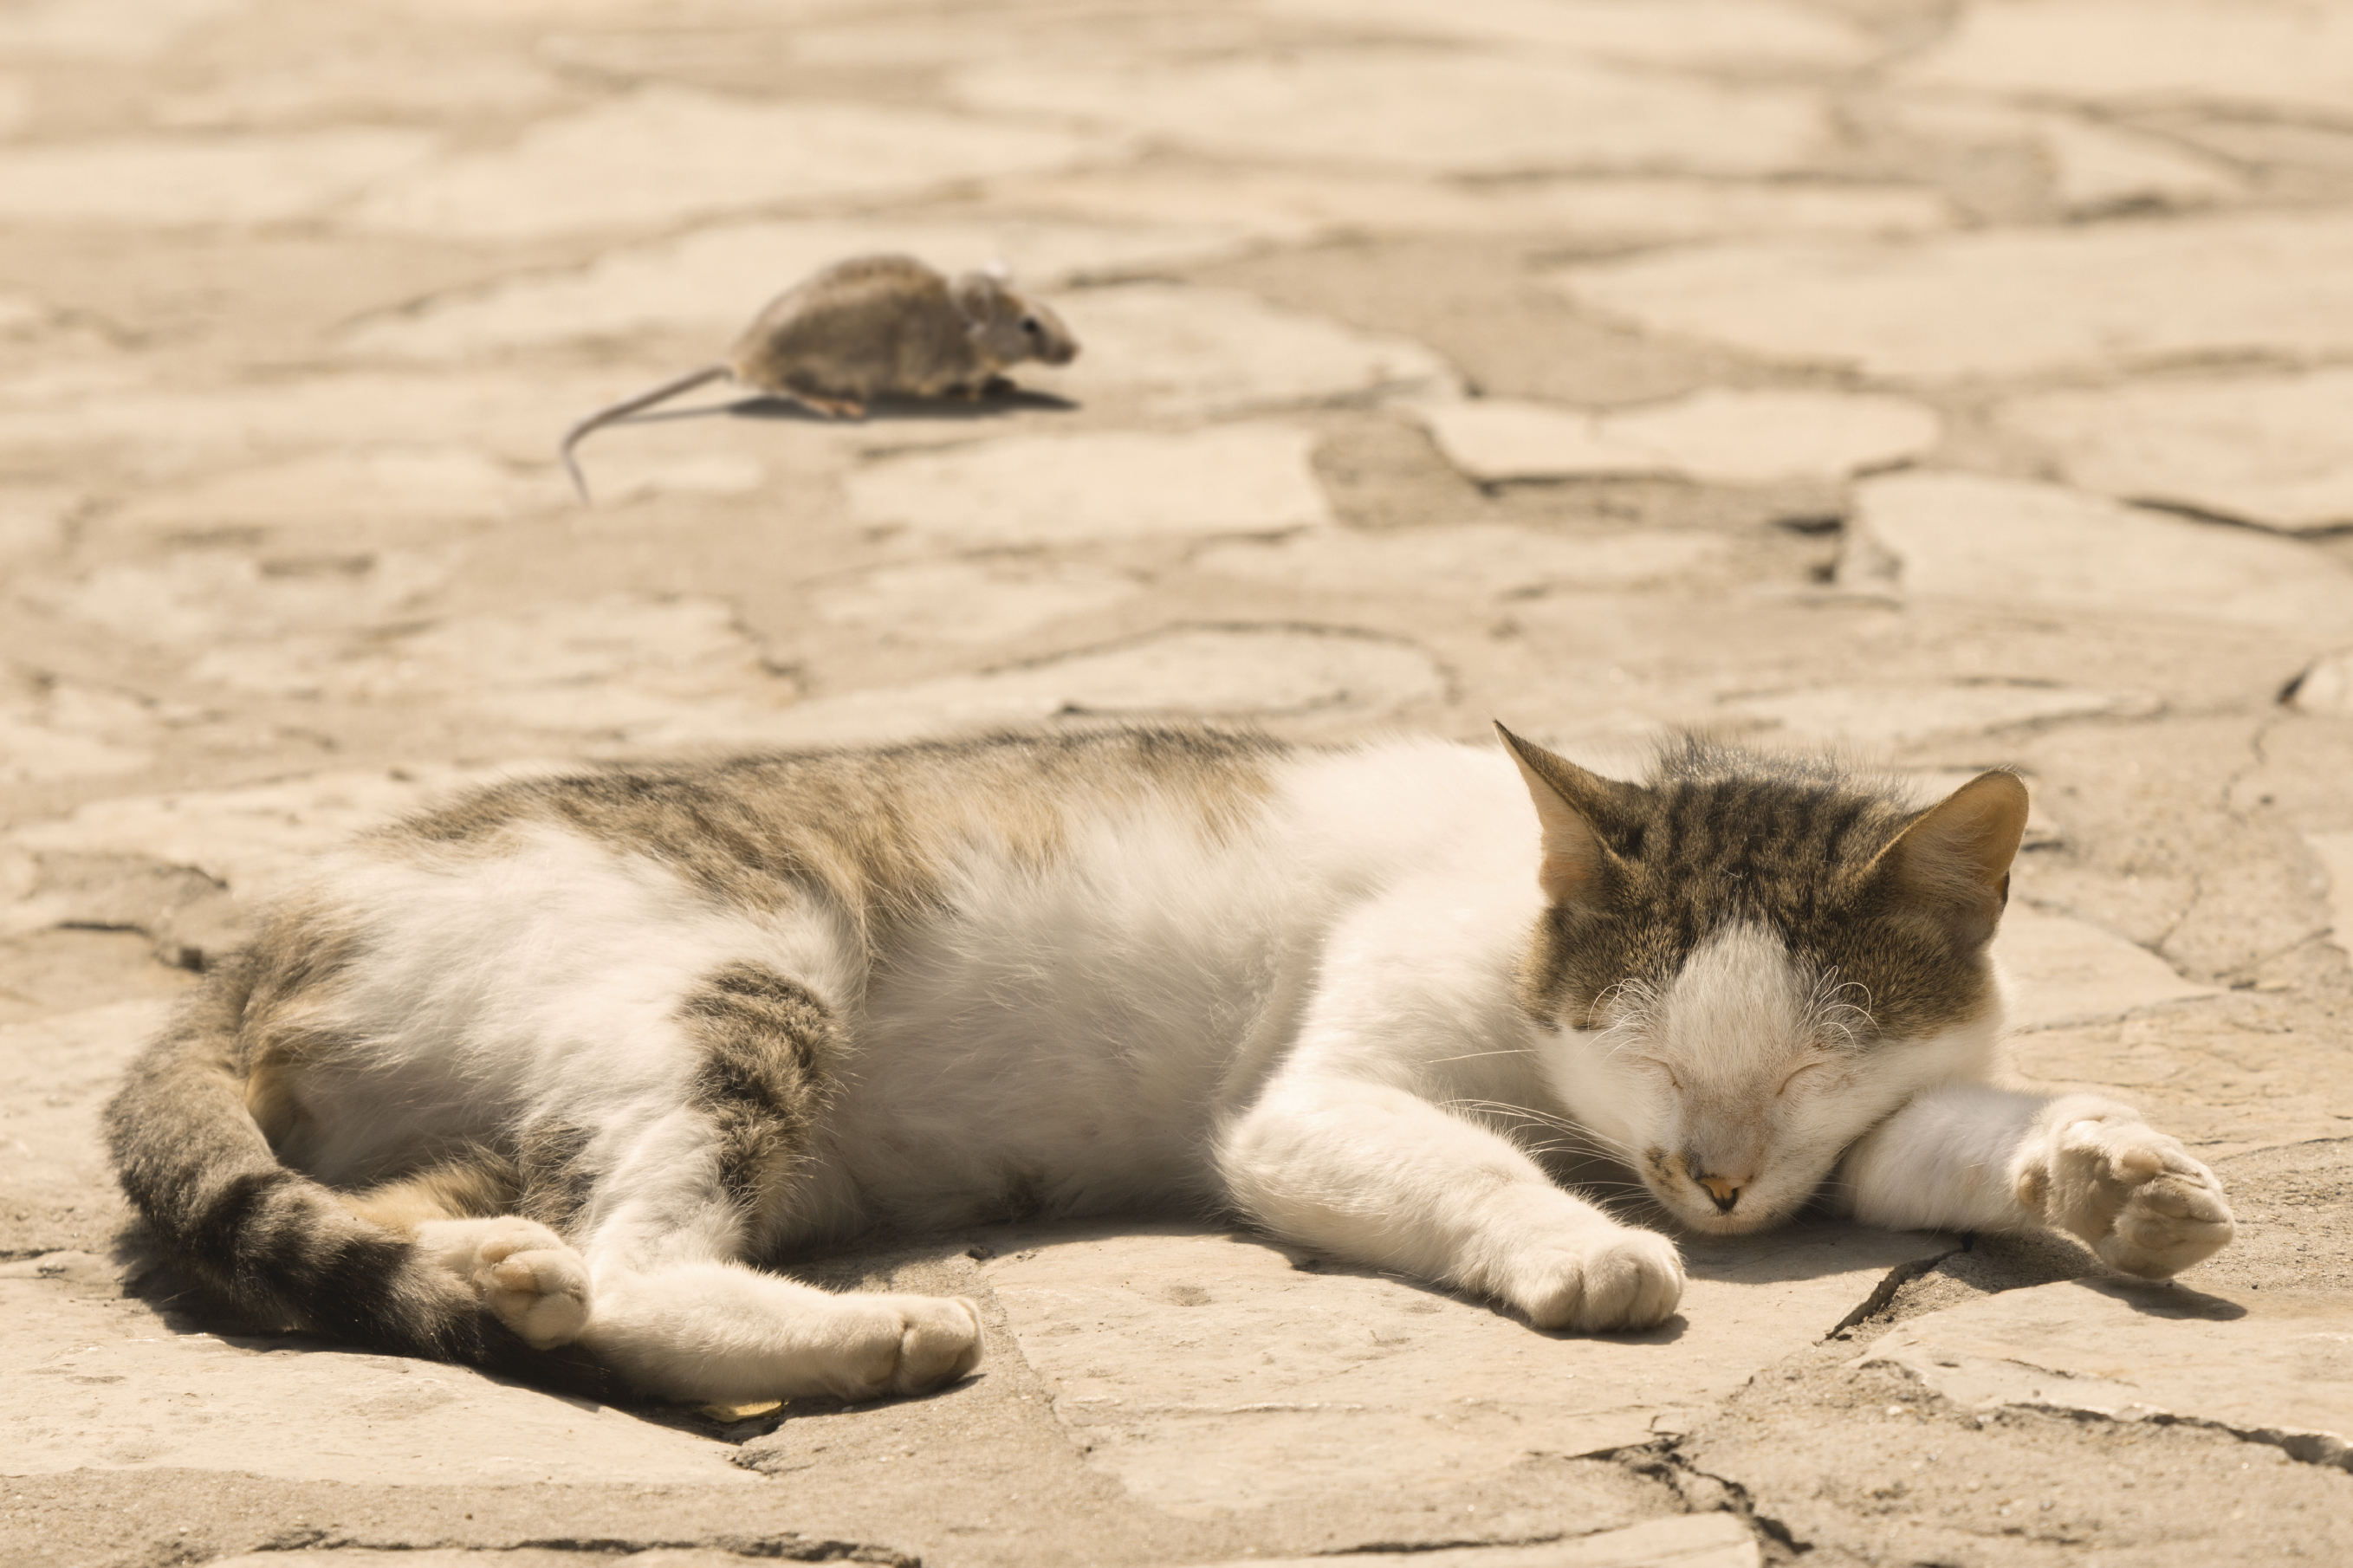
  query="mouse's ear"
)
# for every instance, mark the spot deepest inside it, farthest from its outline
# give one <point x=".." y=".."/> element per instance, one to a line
<point x="976" y="296"/>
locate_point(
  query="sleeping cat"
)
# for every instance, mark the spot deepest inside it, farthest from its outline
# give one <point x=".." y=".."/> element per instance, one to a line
<point x="560" y="1064"/>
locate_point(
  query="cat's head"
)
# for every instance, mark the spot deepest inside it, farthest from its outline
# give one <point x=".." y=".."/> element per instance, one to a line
<point x="1750" y="961"/>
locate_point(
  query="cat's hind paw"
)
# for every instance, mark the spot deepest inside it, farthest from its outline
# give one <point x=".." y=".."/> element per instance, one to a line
<point x="1620" y="1279"/>
<point x="521" y="1270"/>
<point x="538" y="1290"/>
<point x="904" y="1344"/>
<point x="2133" y="1193"/>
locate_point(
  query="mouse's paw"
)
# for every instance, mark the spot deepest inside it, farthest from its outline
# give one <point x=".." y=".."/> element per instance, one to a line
<point x="1609" y="1277"/>
<point x="833" y="405"/>
<point x="2133" y="1193"/>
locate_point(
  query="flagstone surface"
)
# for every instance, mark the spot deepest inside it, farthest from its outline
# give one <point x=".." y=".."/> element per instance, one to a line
<point x="1956" y="386"/>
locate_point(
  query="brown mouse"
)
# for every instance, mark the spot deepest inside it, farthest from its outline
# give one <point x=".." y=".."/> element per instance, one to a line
<point x="868" y="327"/>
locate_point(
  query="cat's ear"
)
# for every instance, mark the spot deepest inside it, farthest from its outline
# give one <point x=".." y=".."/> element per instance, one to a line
<point x="1567" y="800"/>
<point x="1953" y="861"/>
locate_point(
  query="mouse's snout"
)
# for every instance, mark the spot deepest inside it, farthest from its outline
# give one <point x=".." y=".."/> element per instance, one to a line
<point x="1050" y="340"/>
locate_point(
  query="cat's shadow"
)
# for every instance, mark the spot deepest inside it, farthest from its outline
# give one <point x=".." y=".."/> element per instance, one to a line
<point x="1013" y="1239"/>
<point x="187" y="1305"/>
<point x="2168" y="1299"/>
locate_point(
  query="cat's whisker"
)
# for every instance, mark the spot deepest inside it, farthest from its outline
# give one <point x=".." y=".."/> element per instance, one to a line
<point x="1475" y="1056"/>
<point x="1579" y="1140"/>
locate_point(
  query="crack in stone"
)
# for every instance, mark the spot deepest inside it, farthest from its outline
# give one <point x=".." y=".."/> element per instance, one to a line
<point x="2322" y="1448"/>
<point x="765" y="1548"/>
<point x="1702" y="1491"/>
<point x="2243" y="976"/>
<point x="1883" y="1294"/>
<point x="1401" y="1548"/>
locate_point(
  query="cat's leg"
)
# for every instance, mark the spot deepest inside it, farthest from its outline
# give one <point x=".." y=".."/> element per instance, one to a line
<point x="680" y="1201"/>
<point x="1974" y="1157"/>
<point x="1380" y="1176"/>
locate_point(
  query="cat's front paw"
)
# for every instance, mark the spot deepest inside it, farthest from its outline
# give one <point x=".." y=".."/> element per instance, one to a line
<point x="2133" y="1193"/>
<point x="1616" y="1279"/>
<point x="904" y="1344"/>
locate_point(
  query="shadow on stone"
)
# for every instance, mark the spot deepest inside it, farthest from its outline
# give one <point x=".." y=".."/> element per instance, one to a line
<point x="995" y="402"/>
<point x="2165" y="1299"/>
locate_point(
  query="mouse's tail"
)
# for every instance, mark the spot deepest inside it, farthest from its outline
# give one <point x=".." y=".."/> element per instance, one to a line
<point x="622" y="410"/>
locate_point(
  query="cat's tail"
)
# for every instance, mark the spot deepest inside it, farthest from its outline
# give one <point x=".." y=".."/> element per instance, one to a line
<point x="282" y="1247"/>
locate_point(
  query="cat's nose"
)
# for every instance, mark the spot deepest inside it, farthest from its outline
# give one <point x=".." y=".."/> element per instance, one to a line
<point x="1724" y="1190"/>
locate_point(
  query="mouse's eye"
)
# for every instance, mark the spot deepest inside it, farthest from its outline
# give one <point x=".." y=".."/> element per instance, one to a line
<point x="1030" y="325"/>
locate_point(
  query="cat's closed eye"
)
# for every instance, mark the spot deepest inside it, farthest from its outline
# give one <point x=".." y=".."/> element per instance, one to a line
<point x="1673" y="1081"/>
<point x="1794" y="1076"/>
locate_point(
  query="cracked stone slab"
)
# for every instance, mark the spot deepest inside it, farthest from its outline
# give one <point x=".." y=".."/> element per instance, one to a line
<point x="2275" y="1366"/>
<point x="192" y="599"/>
<point x="55" y="1074"/>
<point x="2334" y="853"/>
<point x="664" y="154"/>
<point x="387" y="486"/>
<point x="1718" y="435"/>
<point x="2093" y="168"/>
<point x="105" y="29"/>
<point x="1475" y="561"/>
<point x="1430" y="112"/>
<point x="367" y="84"/>
<point x="1175" y="351"/>
<point x="1691" y="1540"/>
<point x="715" y="280"/>
<point x="1208" y="1373"/>
<point x="22" y="312"/>
<point x="1901" y="715"/>
<point x="1063" y="488"/>
<point x="93" y="1379"/>
<point x="2288" y="57"/>
<point x="2064" y="971"/>
<point x="566" y="1556"/>
<point x="1296" y="207"/>
<point x="1952" y="536"/>
<point x="970" y="601"/>
<point x="2220" y="1081"/>
<point x="644" y="670"/>
<point x="161" y="430"/>
<point x="2263" y="449"/>
<point x="2003" y="303"/>
<point x="258" y="838"/>
<point x="174" y="181"/>
<point x="33" y="520"/>
<point x="52" y="729"/>
<point x="1232" y="672"/>
<point x="1695" y="33"/>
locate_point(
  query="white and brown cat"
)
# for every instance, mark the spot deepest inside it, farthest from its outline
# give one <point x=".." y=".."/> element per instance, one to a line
<point x="564" y="1063"/>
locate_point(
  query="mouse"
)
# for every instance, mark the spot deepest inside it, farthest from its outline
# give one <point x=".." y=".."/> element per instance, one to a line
<point x="868" y="327"/>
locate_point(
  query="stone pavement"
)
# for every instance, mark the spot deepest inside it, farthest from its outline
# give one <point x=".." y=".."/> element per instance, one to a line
<point x="1959" y="382"/>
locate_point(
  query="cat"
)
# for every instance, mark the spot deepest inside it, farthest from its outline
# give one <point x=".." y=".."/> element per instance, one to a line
<point x="541" y="1077"/>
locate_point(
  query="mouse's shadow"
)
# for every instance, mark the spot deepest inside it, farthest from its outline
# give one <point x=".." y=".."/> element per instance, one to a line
<point x="996" y="403"/>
